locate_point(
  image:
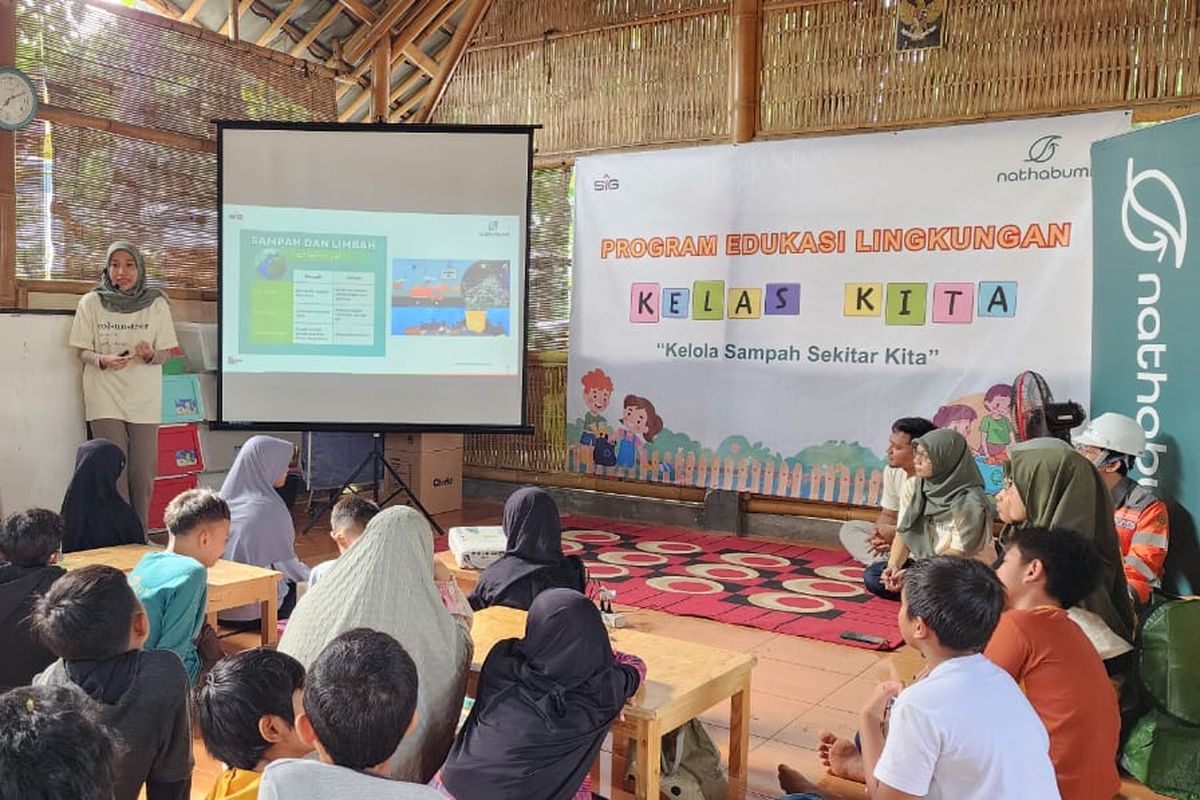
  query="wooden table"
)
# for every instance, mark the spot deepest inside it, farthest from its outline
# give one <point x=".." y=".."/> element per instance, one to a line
<point x="466" y="578"/>
<point x="229" y="584"/>
<point x="682" y="681"/>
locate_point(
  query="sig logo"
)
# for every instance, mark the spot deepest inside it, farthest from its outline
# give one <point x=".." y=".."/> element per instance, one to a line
<point x="1043" y="149"/>
<point x="606" y="184"/>
<point x="441" y="483"/>
<point x="494" y="226"/>
<point x="1167" y="234"/>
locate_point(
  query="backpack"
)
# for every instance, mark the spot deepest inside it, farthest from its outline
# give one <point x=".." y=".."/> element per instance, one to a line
<point x="691" y="765"/>
<point x="1163" y="748"/>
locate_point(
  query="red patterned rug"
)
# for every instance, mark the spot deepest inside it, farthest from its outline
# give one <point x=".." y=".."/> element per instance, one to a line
<point x="802" y="591"/>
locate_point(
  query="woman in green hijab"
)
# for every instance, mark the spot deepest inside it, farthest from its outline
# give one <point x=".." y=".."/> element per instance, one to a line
<point x="124" y="333"/>
<point x="1050" y="485"/>
<point x="943" y="509"/>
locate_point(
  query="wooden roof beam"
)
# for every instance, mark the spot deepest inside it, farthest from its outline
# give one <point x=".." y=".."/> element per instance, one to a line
<point x="276" y="24"/>
<point x="163" y="7"/>
<point x="268" y="13"/>
<point x="451" y="54"/>
<point x="424" y="30"/>
<point x="435" y="10"/>
<point x="316" y="30"/>
<point x="421" y="61"/>
<point x="421" y="25"/>
<point x="359" y="9"/>
<point x="365" y="37"/>
<point x="242" y="8"/>
<point x="193" y="9"/>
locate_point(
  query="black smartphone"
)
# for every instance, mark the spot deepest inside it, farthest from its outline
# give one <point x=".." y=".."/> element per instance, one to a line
<point x="865" y="638"/>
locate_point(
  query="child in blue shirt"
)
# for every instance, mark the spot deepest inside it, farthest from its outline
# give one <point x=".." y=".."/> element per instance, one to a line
<point x="173" y="584"/>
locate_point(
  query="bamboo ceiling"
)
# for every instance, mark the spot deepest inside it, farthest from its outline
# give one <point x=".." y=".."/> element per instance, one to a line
<point x="413" y="45"/>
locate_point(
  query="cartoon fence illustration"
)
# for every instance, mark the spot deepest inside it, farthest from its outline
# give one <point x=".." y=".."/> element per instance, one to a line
<point x="831" y="483"/>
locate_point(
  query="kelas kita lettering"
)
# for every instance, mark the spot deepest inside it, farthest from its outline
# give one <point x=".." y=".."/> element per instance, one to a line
<point x="900" y="303"/>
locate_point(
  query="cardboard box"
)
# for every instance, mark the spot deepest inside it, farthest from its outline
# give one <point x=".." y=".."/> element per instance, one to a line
<point x="398" y="443"/>
<point x="435" y="476"/>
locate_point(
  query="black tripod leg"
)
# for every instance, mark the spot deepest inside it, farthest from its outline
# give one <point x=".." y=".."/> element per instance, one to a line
<point x="404" y="489"/>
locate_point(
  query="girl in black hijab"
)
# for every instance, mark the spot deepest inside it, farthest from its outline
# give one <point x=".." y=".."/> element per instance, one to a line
<point x="543" y="706"/>
<point x="94" y="513"/>
<point x="533" y="559"/>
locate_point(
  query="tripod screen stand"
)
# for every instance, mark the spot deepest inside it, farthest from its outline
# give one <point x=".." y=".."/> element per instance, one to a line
<point x="379" y="467"/>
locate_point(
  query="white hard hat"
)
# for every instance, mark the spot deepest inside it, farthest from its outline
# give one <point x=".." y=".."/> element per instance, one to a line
<point x="1115" y="432"/>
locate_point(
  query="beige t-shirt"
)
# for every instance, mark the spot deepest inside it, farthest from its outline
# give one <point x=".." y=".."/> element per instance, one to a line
<point x="133" y="394"/>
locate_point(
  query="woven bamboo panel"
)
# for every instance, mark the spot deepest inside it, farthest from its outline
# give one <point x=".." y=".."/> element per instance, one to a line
<point x="79" y="189"/>
<point x="833" y="65"/>
<point x="519" y="20"/>
<point x="641" y="84"/>
<point x="546" y="410"/>
<point x="550" y="259"/>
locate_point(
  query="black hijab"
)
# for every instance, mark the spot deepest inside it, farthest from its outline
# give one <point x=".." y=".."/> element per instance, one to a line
<point x="94" y="513"/>
<point x="533" y="559"/>
<point x="543" y="706"/>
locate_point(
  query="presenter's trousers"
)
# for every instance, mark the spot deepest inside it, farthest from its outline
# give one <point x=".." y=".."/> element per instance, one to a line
<point x="139" y="442"/>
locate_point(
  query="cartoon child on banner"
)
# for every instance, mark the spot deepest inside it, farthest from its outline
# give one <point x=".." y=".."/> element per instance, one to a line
<point x="995" y="429"/>
<point x="640" y="423"/>
<point x="597" y="391"/>
<point x="957" y="416"/>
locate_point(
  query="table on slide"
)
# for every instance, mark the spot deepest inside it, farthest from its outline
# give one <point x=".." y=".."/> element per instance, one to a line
<point x="682" y="681"/>
<point x="229" y="584"/>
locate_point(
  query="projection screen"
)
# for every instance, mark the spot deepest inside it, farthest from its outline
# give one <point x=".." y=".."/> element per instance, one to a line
<point x="373" y="277"/>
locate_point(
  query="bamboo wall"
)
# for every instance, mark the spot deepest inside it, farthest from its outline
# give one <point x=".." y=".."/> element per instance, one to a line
<point x="648" y="73"/>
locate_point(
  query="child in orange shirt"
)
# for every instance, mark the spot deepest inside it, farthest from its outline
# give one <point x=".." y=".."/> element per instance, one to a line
<point x="1044" y="573"/>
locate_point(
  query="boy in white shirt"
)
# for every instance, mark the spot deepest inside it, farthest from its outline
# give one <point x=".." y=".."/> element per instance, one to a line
<point x="360" y="700"/>
<point x="964" y="731"/>
<point x="347" y="522"/>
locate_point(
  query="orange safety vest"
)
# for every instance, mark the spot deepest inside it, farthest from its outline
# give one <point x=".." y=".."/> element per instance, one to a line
<point x="1143" y="529"/>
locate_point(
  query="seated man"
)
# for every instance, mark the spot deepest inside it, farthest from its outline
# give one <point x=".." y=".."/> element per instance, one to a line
<point x="1044" y="573"/>
<point x="1113" y="443"/>
<point x="869" y="542"/>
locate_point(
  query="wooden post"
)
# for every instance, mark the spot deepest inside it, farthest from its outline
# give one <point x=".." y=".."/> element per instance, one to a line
<point x="744" y="68"/>
<point x="235" y="19"/>
<point x="381" y="80"/>
<point x="8" y="169"/>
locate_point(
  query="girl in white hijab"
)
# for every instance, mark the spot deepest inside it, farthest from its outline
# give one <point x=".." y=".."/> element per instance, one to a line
<point x="386" y="582"/>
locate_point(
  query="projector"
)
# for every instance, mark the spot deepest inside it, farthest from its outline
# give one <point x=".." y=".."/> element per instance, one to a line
<point x="477" y="546"/>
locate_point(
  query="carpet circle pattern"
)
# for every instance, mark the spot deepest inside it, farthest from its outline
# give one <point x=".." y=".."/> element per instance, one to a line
<point x="775" y="586"/>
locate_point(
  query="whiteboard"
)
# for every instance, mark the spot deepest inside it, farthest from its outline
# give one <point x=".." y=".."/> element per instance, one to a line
<point x="41" y="409"/>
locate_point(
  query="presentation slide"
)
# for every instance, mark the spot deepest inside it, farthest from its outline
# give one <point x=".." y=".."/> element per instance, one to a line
<point x="352" y="297"/>
<point x="314" y="289"/>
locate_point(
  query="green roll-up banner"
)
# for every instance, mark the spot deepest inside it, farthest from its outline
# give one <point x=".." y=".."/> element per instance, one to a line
<point x="1146" y="329"/>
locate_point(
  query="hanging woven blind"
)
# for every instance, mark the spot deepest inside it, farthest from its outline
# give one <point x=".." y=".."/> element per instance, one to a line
<point x="78" y="189"/>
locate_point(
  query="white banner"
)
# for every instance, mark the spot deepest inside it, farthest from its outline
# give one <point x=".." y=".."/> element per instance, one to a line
<point x="754" y="317"/>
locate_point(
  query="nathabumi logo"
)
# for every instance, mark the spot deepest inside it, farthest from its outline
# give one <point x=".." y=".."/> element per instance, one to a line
<point x="1152" y="373"/>
<point x="1165" y="233"/>
<point x="1041" y="151"/>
